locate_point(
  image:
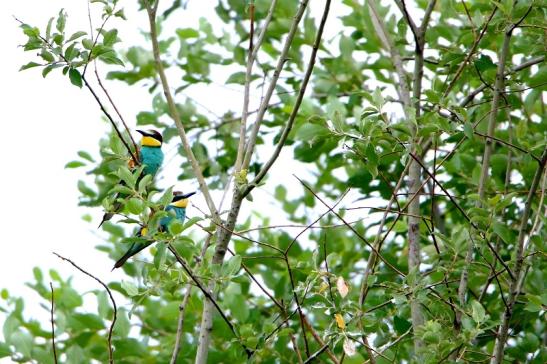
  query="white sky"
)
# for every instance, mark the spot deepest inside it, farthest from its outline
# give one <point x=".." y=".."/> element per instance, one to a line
<point x="46" y="121"/>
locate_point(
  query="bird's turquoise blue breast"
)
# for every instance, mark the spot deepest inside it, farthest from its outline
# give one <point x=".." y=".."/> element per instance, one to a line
<point x="152" y="158"/>
<point x="179" y="212"/>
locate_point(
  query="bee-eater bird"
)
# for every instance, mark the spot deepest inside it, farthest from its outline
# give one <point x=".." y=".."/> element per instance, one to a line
<point x="150" y="156"/>
<point x="176" y="210"/>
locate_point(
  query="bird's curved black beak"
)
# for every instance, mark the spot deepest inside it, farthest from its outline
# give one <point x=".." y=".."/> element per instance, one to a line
<point x="189" y="194"/>
<point x="142" y="132"/>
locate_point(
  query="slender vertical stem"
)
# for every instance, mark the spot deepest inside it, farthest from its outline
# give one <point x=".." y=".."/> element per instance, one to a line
<point x="271" y="87"/>
<point x="173" y="110"/>
<point x="184" y="304"/>
<point x="485" y="170"/>
<point x="518" y="280"/>
<point x="53" y="324"/>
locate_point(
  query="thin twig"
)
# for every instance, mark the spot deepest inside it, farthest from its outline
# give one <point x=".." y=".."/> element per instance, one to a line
<point x="470" y="53"/>
<point x="471" y="95"/>
<point x="298" y="306"/>
<point x="283" y="57"/>
<point x="514" y="289"/>
<point x="53" y="324"/>
<point x="387" y="43"/>
<point x="111" y="330"/>
<point x="115" y="109"/>
<point x="252" y="54"/>
<point x="362" y="238"/>
<point x="174" y="113"/>
<point x="288" y="127"/>
<point x="209" y="296"/>
<point x="184" y="304"/>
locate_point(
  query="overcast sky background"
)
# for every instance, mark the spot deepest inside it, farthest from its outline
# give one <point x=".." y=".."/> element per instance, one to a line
<point x="47" y="121"/>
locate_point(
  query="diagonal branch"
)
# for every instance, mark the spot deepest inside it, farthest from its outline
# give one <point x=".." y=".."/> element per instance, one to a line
<point x="253" y="53"/>
<point x="288" y="127"/>
<point x="174" y="111"/>
<point x="388" y="44"/>
<point x="283" y="57"/>
<point x="209" y="296"/>
<point x="110" y="331"/>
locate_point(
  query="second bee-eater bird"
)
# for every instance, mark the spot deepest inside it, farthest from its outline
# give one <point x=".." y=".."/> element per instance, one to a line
<point x="176" y="210"/>
<point x="150" y="156"/>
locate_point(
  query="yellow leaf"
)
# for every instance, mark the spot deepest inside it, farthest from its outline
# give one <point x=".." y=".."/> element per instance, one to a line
<point x="323" y="287"/>
<point x="340" y="321"/>
<point x="342" y="287"/>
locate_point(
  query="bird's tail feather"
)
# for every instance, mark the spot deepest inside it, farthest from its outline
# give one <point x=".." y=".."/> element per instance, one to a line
<point x="134" y="249"/>
<point x="108" y="215"/>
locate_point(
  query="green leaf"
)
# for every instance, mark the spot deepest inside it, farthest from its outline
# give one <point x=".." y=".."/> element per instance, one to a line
<point x="468" y="130"/>
<point x="311" y="132"/>
<point x="47" y="56"/>
<point x="187" y="33"/>
<point x="75" y="77"/>
<point x="232" y="266"/>
<point x="103" y="305"/>
<point x="238" y="77"/>
<point x="477" y="312"/>
<point x="484" y="63"/>
<point x="176" y="227"/>
<point x="135" y="206"/>
<point x="167" y="197"/>
<point x="61" y="21"/>
<point x="125" y="175"/>
<point x="75" y="36"/>
<point x="23" y="342"/>
<point x="87" y="43"/>
<point x="110" y="37"/>
<point x="123" y="325"/>
<point x="145" y="182"/>
<point x="86" y="155"/>
<point x="130" y="288"/>
<point x="74" y="164"/>
<point x="29" y="65"/>
<point x="503" y="232"/>
<point x="4" y="350"/>
<point x="10" y="325"/>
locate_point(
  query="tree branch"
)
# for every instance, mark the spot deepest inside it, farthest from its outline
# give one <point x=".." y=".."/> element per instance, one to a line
<point x="253" y="53"/>
<point x="53" y="324"/>
<point x="209" y="296"/>
<point x="110" y="331"/>
<point x="387" y="42"/>
<point x="288" y="127"/>
<point x="478" y="90"/>
<point x="271" y="87"/>
<point x="514" y="289"/>
<point x="184" y="303"/>
<point x="174" y="113"/>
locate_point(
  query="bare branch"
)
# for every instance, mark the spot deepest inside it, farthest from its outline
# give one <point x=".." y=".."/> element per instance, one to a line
<point x="470" y="96"/>
<point x="517" y="281"/>
<point x="470" y="53"/>
<point x="271" y="87"/>
<point x="253" y="53"/>
<point x="174" y="113"/>
<point x="288" y="127"/>
<point x="387" y="42"/>
<point x="53" y="324"/>
<point x="209" y="296"/>
<point x="184" y="304"/>
<point x="110" y="331"/>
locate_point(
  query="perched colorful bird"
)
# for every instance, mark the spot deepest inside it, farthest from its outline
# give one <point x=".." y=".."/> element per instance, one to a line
<point x="176" y="210"/>
<point x="150" y="156"/>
